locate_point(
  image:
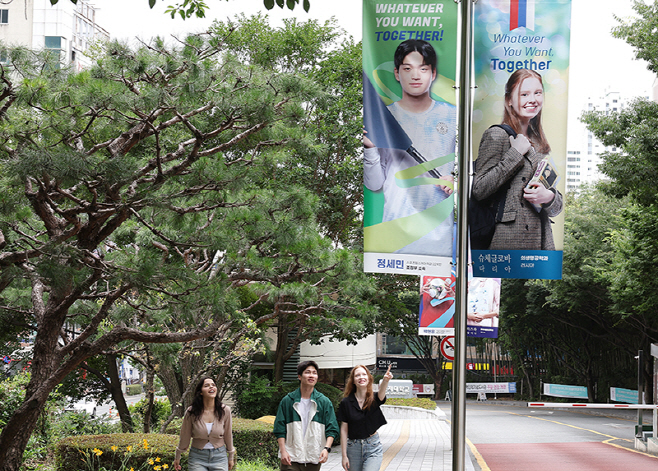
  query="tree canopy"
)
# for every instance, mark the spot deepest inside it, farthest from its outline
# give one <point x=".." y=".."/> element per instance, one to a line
<point x="147" y="201"/>
<point x="188" y="8"/>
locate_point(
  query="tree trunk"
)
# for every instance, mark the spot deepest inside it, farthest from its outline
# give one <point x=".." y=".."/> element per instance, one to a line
<point x="117" y="394"/>
<point x="17" y="432"/>
<point x="150" y="397"/>
<point x="173" y="387"/>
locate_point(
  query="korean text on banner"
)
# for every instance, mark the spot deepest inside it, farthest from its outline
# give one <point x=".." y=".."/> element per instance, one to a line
<point x="521" y="65"/>
<point x="410" y="122"/>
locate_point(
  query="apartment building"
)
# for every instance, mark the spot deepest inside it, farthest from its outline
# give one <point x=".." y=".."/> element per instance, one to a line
<point x="65" y="28"/>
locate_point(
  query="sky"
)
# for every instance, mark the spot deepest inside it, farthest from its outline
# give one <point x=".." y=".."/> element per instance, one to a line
<point x="598" y="61"/>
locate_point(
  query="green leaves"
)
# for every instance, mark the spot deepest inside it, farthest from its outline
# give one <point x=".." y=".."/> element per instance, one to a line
<point x="640" y="32"/>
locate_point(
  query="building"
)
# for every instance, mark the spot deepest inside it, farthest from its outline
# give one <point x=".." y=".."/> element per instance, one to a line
<point x="65" y="28"/>
<point x="583" y="149"/>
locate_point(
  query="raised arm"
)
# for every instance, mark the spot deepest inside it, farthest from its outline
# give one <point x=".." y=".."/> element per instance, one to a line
<point x="382" y="387"/>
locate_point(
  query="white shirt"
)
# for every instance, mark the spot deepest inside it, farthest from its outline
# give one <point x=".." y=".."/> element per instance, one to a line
<point x="304" y="411"/>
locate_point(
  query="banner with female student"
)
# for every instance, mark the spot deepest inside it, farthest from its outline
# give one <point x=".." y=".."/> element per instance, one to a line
<point x="410" y="125"/>
<point x="521" y="67"/>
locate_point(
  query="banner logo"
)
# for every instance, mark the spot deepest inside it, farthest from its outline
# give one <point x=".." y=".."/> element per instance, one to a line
<point x="522" y="14"/>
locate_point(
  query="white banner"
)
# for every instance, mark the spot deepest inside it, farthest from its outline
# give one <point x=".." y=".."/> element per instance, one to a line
<point x="474" y="388"/>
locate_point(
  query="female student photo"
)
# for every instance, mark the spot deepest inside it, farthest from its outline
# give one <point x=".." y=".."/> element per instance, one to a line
<point x="504" y="161"/>
<point x="360" y="416"/>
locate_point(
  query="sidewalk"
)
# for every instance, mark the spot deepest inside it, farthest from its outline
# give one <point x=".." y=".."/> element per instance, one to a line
<point x="416" y="444"/>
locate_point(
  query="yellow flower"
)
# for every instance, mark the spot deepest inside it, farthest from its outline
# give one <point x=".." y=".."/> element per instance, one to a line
<point x="97" y="451"/>
<point x="157" y="468"/>
<point x="157" y="459"/>
<point x="165" y="466"/>
<point x="114" y="448"/>
<point x="151" y="462"/>
<point x="129" y="448"/>
<point x="132" y="469"/>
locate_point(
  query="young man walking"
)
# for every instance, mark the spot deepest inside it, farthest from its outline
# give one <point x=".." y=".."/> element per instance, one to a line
<point x="305" y="424"/>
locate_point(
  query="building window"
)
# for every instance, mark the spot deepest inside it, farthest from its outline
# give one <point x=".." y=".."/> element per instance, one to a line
<point x="4" y="17"/>
<point x="53" y="42"/>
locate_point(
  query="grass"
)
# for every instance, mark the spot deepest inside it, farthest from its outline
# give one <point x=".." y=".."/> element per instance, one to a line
<point x="253" y="466"/>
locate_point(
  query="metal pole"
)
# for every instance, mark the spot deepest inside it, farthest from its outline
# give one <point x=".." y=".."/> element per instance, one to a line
<point x="640" y="392"/>
<point x="464" y="147"/>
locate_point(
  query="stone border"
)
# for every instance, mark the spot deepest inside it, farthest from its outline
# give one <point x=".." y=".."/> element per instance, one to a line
<point x="405" y="412"/>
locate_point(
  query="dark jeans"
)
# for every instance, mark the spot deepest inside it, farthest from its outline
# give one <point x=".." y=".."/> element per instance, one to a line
<point x="301" y="467"/>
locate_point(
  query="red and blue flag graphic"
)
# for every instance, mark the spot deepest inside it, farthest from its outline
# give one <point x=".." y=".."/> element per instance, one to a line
<point x="522" y="14"/>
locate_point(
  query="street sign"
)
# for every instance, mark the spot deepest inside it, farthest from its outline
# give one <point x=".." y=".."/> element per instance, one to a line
<point x="448" y="347"/>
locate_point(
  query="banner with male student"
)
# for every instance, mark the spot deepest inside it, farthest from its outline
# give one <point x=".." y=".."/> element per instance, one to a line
<point x="521" y="66"/>
<point x="410" y="125"/>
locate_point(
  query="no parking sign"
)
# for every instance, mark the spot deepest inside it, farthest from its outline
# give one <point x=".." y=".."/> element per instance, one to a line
<point x="448" y="348"/>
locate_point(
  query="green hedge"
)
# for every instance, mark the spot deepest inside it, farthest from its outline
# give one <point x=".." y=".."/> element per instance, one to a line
<point x="133" y="389"/>
<point x="134" y="450"/>
<point x="423" y="403"/>
<point x="253" y="440"/>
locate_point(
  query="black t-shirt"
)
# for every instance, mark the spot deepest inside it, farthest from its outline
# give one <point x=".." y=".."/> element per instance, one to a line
<point x="361" y="423"/>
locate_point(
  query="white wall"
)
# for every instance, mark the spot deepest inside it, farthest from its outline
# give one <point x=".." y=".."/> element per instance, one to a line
<point x="339" y="354"/>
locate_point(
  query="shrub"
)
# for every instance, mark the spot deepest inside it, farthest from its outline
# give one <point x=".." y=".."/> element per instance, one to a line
<point x="80" y="423"/>
<point x="254" y="441"/>
<point x="133" y="389"/>
<point x="12" y="394"/>
<point x="423" y="403"/>
<point x="257" y="398"/>
<point x="133" y="450"/>
<point x="161" y="410"/>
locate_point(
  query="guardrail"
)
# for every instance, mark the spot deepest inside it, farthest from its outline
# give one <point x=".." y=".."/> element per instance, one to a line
<point x="577" y="405"/>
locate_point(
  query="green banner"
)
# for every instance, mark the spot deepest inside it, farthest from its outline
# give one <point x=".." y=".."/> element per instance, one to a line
<point x="410" y="121"/>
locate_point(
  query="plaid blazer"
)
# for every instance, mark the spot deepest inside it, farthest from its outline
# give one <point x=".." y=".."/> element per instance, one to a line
<point x="521" y="226"/>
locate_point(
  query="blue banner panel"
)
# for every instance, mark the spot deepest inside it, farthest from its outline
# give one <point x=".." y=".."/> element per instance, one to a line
<point x="526" y="264"/>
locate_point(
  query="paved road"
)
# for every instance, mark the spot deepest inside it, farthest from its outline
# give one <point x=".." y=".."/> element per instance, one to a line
<point x="410" y="445"/>
<point x="516" y="438"/>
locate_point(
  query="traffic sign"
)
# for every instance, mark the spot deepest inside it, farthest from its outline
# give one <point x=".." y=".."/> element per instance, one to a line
<point x="448" y="347"/>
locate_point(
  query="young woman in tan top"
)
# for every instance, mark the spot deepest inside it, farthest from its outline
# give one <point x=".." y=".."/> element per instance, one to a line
<point x="207" y="422"/>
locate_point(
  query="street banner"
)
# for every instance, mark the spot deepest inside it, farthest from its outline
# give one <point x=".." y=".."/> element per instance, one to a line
<point x="437" y="305"/>
<point x="564" y="390"/>
<point x="501" y="388"/>
<point x="521" y="69"/>
<point x="483" y="307"/>
<point x="629" y="396"/>
<point x="410" y="125"/>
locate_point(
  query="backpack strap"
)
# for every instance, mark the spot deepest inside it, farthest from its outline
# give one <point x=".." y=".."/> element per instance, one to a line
<point x="508" y="129"/>
<point x="501" y="195"/>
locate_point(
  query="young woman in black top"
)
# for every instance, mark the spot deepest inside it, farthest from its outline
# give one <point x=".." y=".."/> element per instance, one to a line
<point x="361" y="417"/>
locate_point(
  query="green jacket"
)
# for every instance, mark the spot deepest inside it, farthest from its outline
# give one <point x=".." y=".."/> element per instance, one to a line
<point x="288" y="425"/>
